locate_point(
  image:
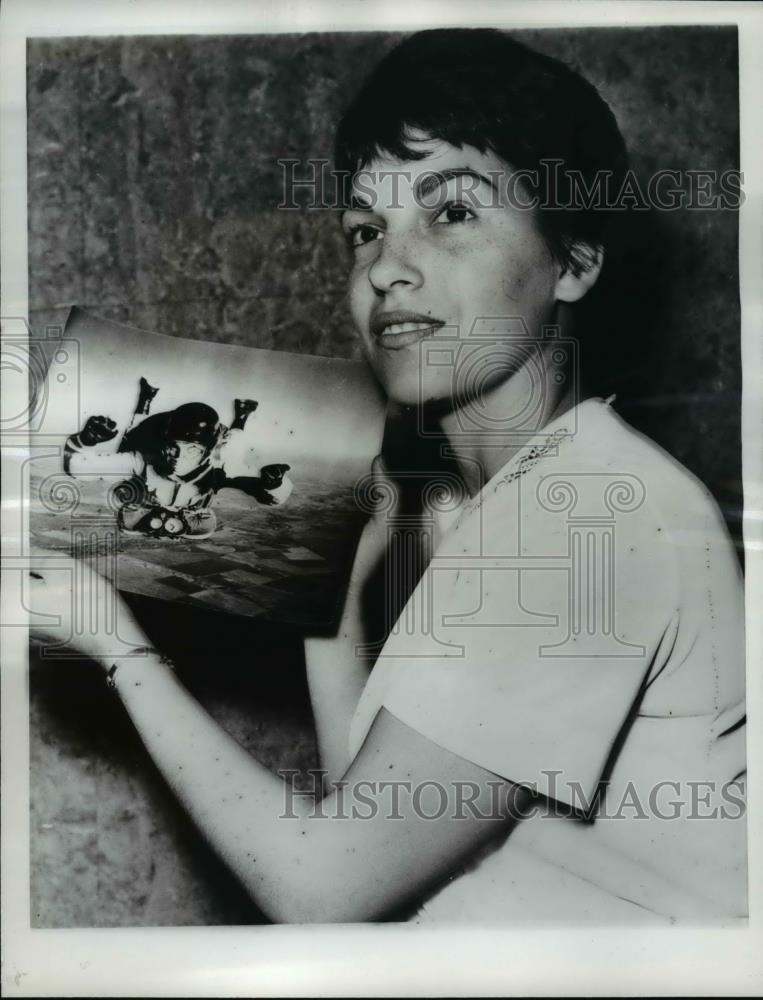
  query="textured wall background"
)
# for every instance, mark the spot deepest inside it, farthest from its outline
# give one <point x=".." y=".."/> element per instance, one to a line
<point x="153" y="183"/>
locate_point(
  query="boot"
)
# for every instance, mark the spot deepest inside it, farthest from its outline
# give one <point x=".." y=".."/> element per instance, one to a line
<point x="145" y="397"/>
<point x="241" y="410"/>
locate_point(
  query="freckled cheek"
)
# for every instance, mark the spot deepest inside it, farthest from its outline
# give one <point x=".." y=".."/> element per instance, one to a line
<point x="528" y="281"/>
<point x="360" y="303"/>
<point x="491" y="282"/>
<point x="359" y="297"/>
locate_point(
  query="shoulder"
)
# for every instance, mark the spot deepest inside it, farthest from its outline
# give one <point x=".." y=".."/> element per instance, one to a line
<point x="669" y="492"/>
<point x="680" y="520"/>
<point x="666" y="528"/>
<point x="676" y="511"/>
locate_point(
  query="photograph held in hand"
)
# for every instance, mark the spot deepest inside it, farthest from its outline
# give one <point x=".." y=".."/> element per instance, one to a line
<point x="528" y="708"/>
<point x="180" y="486"/>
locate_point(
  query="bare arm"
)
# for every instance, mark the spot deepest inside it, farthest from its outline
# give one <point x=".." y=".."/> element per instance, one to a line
<point x="349" y="861"/>
<point x="344" y="858"/>
<point x="336" y="671"/>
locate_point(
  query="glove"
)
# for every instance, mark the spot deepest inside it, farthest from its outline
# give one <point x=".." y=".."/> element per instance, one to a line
<point x="145" y="396"/>
<point x="97" y="430"/>
<point x="241" y="410"/>
<point x="271" y="476"/>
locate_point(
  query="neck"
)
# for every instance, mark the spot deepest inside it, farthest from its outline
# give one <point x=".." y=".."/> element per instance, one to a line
<point x="481" y="455"/>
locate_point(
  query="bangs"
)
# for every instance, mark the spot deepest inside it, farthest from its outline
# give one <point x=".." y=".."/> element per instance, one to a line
<point x="394" y="136"/>
<point x="478" y="87"/>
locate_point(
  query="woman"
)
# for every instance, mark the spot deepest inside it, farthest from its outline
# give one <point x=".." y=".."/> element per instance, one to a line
<point x="576" y="637"/>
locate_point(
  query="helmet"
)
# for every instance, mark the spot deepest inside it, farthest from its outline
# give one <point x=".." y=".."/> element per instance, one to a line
<point x="193" y="422"/>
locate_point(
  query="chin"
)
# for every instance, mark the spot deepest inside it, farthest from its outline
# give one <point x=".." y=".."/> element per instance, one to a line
<point x="412" y="392"/>
<point x="405" y="384"/>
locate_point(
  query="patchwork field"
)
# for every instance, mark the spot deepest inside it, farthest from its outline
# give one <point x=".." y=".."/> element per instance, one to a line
<point x="281" y="564"/>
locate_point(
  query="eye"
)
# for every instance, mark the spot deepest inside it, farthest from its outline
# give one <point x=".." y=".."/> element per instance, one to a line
<point x="454" y="212"/>
<point x="362" y="234"/>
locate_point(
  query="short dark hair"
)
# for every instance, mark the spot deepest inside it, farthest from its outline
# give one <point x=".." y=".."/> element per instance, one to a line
<point x="480" y="87"/>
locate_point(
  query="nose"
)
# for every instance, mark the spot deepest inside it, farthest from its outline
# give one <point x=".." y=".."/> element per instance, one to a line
<point x="397" y="264"/>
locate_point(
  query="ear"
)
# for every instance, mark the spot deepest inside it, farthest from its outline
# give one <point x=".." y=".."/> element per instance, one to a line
<point x="581" y="273"/>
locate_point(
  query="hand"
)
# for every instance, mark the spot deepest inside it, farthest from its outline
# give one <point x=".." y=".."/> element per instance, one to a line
<point x="71" y="605"/>
<point x="97" y="430"/>
<point x="271" y="476"/>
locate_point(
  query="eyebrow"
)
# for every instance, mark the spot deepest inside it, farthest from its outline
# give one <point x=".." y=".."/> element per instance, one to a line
<point x="430" y="182"/>
<point x="426" y="186"/>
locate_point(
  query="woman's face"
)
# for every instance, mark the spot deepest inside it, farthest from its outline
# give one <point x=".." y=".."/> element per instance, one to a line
<point x="444" y="267"/>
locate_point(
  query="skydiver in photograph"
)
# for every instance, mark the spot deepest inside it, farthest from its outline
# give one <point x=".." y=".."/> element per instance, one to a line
<point x="174" y="462"/>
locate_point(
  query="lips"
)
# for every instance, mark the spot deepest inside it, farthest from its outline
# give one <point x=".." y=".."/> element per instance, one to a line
<point x="399" y="328"/>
